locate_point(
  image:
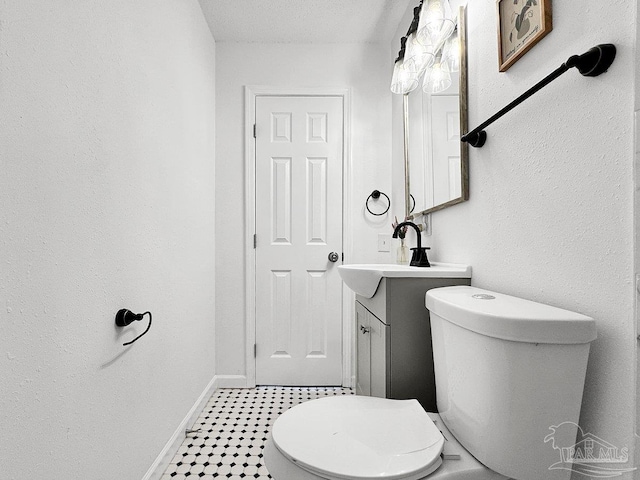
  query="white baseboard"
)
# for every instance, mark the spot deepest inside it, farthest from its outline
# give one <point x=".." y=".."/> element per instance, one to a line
<point x="232" y="381"/>
<point x="168" y="452"/>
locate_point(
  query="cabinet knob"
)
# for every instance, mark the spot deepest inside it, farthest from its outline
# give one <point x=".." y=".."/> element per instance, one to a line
<point x="364" y="329"/>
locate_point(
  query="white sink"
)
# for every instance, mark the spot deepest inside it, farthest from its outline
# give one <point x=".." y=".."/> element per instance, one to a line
<point x="364" y="278"/>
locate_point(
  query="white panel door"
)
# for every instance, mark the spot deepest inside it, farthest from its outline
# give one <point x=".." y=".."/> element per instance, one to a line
<point x="445" y="138"/>
<point x="299" y="145"/>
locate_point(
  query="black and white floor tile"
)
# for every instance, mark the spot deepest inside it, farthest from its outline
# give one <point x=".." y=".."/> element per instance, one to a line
<point x="234" y="426"/>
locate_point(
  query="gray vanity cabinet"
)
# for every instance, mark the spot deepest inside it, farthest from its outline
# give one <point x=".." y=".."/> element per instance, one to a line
<point x="393" y="343"/>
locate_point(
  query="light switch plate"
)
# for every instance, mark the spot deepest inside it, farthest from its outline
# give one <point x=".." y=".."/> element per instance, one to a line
<point x="384" y="242"/>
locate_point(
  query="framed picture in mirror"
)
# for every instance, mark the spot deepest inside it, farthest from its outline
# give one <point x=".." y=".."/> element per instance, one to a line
<point x="521" y="24"/>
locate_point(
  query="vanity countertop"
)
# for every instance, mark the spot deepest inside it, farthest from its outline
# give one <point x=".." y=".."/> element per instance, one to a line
<point x="364" y="278"/>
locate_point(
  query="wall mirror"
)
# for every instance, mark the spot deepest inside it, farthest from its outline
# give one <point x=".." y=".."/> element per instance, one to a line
<point x="437" y="167"/>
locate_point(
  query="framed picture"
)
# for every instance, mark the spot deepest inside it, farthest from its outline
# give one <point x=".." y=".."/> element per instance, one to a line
<point x="521" y="24"/>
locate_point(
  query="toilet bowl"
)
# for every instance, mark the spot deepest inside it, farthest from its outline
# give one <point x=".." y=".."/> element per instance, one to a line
<point x="507" y="370"/>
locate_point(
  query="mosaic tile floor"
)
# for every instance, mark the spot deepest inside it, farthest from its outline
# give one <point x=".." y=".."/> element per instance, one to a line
<point x="235" y="423"/>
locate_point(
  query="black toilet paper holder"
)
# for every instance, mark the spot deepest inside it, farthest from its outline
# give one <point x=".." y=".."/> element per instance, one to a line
<point x="125" y="317"/>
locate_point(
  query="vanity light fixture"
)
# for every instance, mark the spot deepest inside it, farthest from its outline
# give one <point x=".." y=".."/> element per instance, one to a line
<point x="420" y="55"/>
<point x="436" y="22"/>
<point x="419" y="52"/>
<point x="427" y="41"/>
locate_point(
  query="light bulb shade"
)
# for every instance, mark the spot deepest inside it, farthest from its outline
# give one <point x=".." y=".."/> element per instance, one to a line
<point x="437" y="78"/>
<point x="404" y="79"/>
<point x="451" y="52"/>
<point x="436" y="22"/>
<point x="418" y="56"/>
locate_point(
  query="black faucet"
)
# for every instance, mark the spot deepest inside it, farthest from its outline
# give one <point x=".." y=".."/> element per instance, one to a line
<point x="419" y="257"/>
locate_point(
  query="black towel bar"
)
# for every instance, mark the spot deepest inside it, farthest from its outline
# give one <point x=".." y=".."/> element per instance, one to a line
<point x="590" y="64"/>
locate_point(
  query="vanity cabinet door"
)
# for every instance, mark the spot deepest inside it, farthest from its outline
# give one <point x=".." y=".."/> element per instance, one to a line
<point x="378" y="332"/>
<point x="371" y="343"/>
<point x="363" y="347"/>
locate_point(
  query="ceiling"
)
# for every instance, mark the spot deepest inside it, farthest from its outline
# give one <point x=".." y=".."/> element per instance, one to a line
<point x="304" y="21"/>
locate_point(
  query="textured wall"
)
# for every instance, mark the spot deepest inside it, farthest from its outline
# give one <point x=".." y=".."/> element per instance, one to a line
<point x="637" y="227"/>
<point x="359" y="66"/>
<point x="551" y="214"/>
<point x="106" y="201"/>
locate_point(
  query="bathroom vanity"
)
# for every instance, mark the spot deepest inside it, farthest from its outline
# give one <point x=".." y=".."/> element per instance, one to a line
<point x="394" y="352"/>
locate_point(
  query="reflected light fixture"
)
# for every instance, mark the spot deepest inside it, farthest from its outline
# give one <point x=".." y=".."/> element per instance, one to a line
<point x="451" y="52"/>
<point x="437" y="78"/>
<point x="405" y="79"/>
<point x="427" y="40"/>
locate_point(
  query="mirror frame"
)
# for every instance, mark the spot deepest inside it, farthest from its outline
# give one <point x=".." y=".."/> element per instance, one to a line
<point x="464" y="125"/>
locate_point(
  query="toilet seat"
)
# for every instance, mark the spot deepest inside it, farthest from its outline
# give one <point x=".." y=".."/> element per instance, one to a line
<point x="357" y="437"/>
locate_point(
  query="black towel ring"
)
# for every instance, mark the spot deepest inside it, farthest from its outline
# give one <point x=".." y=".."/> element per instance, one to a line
<point x="376" y="195"/>
<point x="414" y="204"/>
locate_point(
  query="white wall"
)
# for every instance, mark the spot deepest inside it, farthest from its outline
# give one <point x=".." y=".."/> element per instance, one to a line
<point x="106" y="201"/>
<point x="637" y="228"/>
<point x="361" y="67"/>
<point x="551" y="212"/>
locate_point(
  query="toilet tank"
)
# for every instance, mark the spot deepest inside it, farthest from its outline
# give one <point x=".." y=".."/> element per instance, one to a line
<point x="507" y="370"/>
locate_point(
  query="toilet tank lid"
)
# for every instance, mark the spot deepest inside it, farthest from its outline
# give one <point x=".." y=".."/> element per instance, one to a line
<point x="509" y="318"/>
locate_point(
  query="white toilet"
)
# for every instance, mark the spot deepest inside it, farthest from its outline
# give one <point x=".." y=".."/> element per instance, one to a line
<point x="507" y="370"/>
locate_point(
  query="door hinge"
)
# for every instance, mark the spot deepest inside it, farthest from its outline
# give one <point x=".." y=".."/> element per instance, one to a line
<point x="254" y="131"/>
<point x="255" y="240"/>
<point x="255" y="350"/>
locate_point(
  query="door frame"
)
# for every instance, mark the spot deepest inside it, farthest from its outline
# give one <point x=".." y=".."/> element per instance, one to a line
<point x="251" y="93"/>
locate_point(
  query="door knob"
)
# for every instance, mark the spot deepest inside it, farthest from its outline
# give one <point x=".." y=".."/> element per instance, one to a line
<point x="333" y="257"/>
